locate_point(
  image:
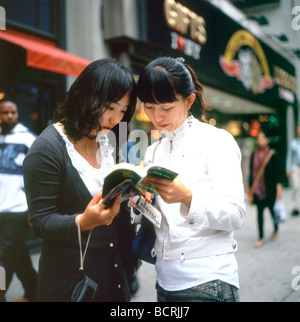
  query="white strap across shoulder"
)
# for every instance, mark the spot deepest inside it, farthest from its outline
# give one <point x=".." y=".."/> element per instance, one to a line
<point x="82" y="257"/>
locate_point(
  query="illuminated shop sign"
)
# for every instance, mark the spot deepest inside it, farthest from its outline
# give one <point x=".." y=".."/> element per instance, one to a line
<point x="245" y="60"/>
<point x="185" y="23"/>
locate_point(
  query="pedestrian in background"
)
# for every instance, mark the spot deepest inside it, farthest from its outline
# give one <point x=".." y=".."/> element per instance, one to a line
<point x="204" y="205"/>
<point x="293" y="171"/>
<point x="15" y="140"/>
<point x="264" y="183"/>
<point x="64" y="173"/>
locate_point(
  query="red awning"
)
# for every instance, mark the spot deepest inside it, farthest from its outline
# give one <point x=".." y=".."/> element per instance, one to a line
<point x="45" y="55"/>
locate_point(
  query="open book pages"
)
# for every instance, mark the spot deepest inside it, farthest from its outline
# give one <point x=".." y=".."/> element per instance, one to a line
<point x="124" y="171"/>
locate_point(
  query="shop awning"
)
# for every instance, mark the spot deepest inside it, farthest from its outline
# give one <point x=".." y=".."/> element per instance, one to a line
<point x="45" y="55"/>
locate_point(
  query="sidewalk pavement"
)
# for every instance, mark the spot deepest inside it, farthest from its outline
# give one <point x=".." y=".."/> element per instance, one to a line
<point x="268" y="274"/>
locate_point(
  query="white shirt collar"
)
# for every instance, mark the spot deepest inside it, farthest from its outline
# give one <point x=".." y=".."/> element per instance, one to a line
<point x="180" y="131"/>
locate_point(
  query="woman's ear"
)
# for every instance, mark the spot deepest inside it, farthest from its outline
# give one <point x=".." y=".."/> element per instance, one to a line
<point x="191" y="100"/>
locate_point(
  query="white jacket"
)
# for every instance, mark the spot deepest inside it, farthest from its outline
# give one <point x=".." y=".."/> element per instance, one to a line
<point x="208" y="161"/>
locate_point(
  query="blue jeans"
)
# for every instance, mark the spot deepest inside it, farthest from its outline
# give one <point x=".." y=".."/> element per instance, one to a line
<point x="214" y="291"/>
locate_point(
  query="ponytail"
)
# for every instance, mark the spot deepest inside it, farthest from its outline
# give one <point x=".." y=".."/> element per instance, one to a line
<point x="199" y="91"/>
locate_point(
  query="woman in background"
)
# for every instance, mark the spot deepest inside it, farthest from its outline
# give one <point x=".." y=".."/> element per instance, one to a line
<point x="268" y="187"/>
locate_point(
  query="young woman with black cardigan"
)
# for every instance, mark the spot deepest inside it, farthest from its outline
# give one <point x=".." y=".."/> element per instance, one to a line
<point x="63" y="174"/>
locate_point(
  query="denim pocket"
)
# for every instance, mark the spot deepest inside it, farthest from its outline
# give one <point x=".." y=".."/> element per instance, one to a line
<point x="217" y="291"/>
<point x="209" y="290"/>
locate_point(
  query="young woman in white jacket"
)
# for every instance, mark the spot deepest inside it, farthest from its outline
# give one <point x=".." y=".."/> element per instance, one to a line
<point x="204" y="205"/>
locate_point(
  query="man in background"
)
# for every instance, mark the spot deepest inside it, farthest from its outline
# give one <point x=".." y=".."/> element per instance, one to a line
<point x="293" y="171"/>
<point x="15" y="140"/>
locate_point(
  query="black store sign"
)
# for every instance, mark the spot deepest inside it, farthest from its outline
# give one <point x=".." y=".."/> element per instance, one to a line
<point x="225" y="55"/>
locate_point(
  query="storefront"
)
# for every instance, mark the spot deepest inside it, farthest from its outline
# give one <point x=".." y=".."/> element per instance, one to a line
<point x="32" y="66"/>
<point x="247" y="84"/>
<point x="32" y="70"/>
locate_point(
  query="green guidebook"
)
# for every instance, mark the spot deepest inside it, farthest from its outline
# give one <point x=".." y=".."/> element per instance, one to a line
<point x="126" y="178"/>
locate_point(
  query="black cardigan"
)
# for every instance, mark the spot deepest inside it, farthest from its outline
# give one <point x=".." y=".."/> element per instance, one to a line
<point x="56" y="194"/>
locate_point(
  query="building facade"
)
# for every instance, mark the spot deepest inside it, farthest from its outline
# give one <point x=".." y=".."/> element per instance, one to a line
<point x="278" y="24"/>
<point x="33" y="59"/>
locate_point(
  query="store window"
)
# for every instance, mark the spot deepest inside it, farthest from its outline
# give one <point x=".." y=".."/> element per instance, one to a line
<point x="35" y="14"/>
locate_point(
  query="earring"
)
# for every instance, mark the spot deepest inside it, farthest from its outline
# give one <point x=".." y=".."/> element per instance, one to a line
<point x="190" y="118"/>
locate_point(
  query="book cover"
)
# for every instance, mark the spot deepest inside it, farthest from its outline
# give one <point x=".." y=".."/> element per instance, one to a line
<point x="126" y="171"/>
<point x="126" y="189"/>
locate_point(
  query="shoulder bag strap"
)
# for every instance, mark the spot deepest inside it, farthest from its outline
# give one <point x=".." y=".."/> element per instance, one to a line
<point x="82" y="256"/>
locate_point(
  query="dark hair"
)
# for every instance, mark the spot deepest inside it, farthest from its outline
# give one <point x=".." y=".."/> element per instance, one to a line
<point x="265" y="132"/>
<point x="164" y="78"/>
<point x="101" y="83"/>
<point x="6" y="99"/>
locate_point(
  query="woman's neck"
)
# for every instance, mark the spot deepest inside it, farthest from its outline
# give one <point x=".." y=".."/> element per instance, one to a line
<point x="88" y="148"/>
